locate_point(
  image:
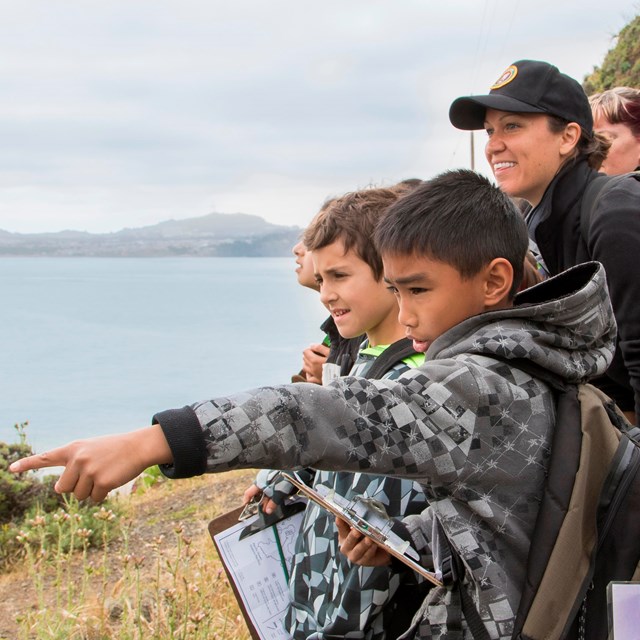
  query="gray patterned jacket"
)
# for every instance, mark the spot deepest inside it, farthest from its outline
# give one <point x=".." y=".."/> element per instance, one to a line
<point x="472" y="430"/>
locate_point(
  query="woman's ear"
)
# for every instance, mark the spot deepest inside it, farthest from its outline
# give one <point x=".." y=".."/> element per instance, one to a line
<point x="570" y="138"/>
<point x="498" y="282"/>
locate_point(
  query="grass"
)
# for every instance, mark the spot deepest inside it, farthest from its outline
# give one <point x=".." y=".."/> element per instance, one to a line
<point x="153" y="573"/>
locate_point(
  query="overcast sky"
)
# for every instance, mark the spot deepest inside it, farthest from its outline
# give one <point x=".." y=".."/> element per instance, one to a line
<point x="129" y="112"/>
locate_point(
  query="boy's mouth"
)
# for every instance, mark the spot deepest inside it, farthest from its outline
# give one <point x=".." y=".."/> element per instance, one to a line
<point x="338" y="313"/>
<point x="420" y="346"/>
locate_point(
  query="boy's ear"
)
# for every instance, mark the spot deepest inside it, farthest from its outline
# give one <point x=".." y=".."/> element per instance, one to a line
<point x="498" y="281"/>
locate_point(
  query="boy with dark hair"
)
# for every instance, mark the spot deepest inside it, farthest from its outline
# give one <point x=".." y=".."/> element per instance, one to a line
<point x="470" y="425"/>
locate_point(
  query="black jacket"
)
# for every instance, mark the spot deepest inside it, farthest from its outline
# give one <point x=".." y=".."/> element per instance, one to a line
<point x="614" y="240"/>
<point x="343" y="351"/>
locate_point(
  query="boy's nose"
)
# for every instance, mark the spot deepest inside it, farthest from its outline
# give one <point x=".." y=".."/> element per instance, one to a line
<point x="326" y="294"/>
<point x="406" y="317"/>
<point x="298" y="249"/>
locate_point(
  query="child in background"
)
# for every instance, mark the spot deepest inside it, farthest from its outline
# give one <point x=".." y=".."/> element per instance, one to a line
<point x="314" y="356"/>
<point x="470" y="425"/>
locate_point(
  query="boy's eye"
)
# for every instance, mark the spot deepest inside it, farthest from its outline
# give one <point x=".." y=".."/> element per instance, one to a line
<point x="512" y="125"/>
<point x="415" y="291"/>
<point x="318" y="280"/>
<point x="392" y="289"/>
<point x="489" y="131"/>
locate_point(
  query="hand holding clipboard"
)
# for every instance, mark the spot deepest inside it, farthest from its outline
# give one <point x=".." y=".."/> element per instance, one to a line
<point x="363" y="515"/>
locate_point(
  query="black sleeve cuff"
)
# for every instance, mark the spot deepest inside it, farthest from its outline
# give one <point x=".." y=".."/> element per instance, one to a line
<point x="186" y="440"/>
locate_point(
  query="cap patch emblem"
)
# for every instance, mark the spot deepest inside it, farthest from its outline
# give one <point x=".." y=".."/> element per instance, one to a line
<point x="507" y="76"/>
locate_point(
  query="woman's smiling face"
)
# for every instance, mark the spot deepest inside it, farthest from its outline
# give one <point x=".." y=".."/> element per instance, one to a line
<point x="523" y="152"/>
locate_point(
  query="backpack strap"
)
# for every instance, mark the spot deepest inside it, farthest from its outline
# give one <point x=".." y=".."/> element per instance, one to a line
<point x="393" y="354"/>
<point x="469" y="609"/>
<point x="591" y="198"/>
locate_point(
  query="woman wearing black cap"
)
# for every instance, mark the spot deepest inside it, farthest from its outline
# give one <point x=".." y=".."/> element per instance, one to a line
<point x="542" y="148"/>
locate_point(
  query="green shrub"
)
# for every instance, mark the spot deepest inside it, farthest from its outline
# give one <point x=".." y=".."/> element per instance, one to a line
<point x="73" y="526"/>
<point x="33" y="516"/>
<point x="21" y="492"/>
<point x="147" y="479"/>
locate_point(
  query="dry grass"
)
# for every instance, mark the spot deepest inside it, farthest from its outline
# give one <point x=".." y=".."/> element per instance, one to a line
<point x="160" y="578"/>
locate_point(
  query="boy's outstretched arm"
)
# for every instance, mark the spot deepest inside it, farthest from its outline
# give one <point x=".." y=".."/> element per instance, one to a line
<point x="94" y="467"/>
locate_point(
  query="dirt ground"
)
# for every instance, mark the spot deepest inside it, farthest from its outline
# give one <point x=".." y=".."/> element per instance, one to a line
<point x="192" y="502"/>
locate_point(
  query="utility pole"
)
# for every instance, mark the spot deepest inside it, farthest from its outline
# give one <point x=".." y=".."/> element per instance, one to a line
<point x="473" y="155"/>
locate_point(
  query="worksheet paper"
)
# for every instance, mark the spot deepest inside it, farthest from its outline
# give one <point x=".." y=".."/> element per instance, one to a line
<point x="259" y="567"/>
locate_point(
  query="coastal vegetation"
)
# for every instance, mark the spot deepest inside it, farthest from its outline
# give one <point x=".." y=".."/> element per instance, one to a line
<point x="621" y="65"/>
<point x="139" y="566"/>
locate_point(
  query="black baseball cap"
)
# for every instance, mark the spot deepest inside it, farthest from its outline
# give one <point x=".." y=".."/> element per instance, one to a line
<point x="526" y="86"/>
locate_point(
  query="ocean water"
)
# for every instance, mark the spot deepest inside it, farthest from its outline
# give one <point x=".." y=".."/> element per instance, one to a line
<point x="91" y="346"/>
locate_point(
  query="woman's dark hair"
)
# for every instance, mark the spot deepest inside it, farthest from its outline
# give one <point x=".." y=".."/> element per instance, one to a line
<point x="593" y="146"/>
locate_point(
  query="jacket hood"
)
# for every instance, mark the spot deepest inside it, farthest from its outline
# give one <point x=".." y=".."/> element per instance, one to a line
<point x="564" y="324"/>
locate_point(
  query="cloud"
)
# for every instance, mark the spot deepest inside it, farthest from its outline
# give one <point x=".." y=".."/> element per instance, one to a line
<point x="128" y="113"/>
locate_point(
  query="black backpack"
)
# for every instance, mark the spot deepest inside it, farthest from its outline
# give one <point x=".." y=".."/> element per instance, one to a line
<point x="591" y="197"/>
<point x="587" y="532"/>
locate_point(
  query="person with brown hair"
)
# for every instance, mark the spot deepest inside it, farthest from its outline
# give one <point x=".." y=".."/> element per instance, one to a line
<point x="330" y="596"/>
<point x="616" y="116"/>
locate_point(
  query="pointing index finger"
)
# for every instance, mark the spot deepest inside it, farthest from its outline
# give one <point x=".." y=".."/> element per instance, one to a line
<point x="55" y="458"/>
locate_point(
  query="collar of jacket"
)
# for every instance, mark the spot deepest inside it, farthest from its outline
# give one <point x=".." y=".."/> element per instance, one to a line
<point x="554" y="223"/>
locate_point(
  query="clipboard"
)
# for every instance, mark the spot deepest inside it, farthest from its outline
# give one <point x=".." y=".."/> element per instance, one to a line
<point x="256" y="566"/>
<point x="369" y="519"/>
<point x="216" y="526"/>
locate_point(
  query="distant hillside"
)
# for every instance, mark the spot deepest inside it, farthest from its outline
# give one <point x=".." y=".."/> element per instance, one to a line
<point x="216" y="234"/>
